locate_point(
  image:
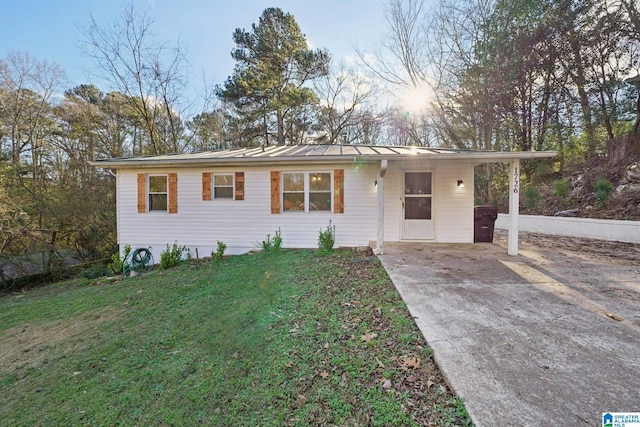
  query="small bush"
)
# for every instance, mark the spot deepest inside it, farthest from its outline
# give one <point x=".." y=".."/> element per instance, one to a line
<point x="272" y="244"/>
<point x="603" y="189"/>
<point x="327" y="238"/>
<point x="172" y="256"/>
<point x="532" y="197"/>
<point x="561" y="188"/>
<point x="117" y="264"/>
<point x="219" y="253"/>
<point x="267" y="244"/>
<point x="561" y="191"/>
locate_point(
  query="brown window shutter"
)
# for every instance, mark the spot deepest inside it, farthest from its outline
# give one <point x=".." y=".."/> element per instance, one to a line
<point x="173" y="193"/>
<point x="338" y="191"/>
<point x="239" y="185"/>
<point x="275" y="192"/>
<point x="142" y="193"/>
<point x="206" y="185"/>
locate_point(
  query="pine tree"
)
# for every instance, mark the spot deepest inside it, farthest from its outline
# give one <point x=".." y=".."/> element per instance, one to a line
<point x="267" y="87"/>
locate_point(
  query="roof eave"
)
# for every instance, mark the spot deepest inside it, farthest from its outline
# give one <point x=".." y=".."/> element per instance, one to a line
<point x="474" y="157"/>
<point x="513" y="155"/>
<point x="237" y="161"/>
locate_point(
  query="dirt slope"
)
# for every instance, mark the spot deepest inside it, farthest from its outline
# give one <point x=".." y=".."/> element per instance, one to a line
<point x="619" y="166"/>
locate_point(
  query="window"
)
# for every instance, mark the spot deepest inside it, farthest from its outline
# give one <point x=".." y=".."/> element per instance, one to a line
<point x="293" y="192"/>
<point x="223" y="187"/>
<point x="417" y="195"/>
<point x="304" y="191"/>
<point x="158" y="194"/>
<point x="320" y="192"/>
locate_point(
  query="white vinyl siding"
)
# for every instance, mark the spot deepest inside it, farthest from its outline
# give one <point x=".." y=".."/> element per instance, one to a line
<point x="392" y="203"/>
<point x="242" y="226"/>
<point x="452" y="206"/>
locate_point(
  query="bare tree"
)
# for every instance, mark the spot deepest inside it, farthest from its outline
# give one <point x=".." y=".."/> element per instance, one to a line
<point x="344" y="95"/>
<point x="631" y="26"/>
<point x="26" y="88"/>
<point x="152" y="75"/>
<point x="431" y="49"/>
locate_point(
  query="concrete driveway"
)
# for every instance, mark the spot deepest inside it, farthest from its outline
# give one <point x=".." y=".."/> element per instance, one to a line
<point x="550" y="337"/>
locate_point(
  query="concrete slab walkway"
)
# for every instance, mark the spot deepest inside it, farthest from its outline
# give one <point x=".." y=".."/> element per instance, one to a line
<point x="550" y="337"/>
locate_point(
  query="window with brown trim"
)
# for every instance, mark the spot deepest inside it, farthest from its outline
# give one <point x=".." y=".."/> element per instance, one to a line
<point x="222" y="186"/>
<point x="158" y="193"/>
<point x="295" y="198"/>
<point x="306" y="191"/>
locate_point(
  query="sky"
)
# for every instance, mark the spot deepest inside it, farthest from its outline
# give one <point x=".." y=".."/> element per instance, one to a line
<point x="49" y="30"/>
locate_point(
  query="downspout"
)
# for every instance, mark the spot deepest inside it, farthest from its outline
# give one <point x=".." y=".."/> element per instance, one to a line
<point x="382" y="170"/>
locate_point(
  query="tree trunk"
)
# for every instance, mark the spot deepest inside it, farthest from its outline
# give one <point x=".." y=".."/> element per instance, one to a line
<point x="605" y="115"/>
<point x="636" y="126"/>
<point x="578" y="75"/>
<point x="559" y="140"/>
<point x="543" y="122"/>
<point x="588" y="123"/>
<point x="266" y="129"/>
<point x="15" y="146"/>
<point x="281" y="140"/>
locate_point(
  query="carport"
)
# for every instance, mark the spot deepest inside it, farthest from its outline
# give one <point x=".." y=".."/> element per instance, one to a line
<point x="421" y="159"/>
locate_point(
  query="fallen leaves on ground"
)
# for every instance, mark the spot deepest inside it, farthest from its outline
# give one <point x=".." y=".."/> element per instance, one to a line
<point x="613" y="316"/>
<point x="407" y="363"/>
<point x="356" y="345"/>
<point x="368" y="336"/>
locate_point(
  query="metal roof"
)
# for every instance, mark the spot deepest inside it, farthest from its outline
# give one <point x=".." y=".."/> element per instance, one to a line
<point x="298" y="154"/>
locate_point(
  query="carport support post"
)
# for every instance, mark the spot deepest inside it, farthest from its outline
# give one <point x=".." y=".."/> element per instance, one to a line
<point x="382" y="169"/>
<point x="514" y="205"/>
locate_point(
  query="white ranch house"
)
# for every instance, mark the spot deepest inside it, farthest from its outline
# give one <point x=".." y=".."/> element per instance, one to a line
<point x="238" y="196"/>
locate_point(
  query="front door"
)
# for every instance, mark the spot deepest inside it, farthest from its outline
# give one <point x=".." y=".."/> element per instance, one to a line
<point x="417" y="204"/>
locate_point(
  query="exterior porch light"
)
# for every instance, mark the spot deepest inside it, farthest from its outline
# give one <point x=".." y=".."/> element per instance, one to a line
<point x="460" y="183"/>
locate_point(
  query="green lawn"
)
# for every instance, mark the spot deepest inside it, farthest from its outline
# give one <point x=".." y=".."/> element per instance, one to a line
<point x="261" y="339"/>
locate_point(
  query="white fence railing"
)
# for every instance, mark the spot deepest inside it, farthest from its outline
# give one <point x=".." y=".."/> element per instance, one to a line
<point x="603" y="229"/>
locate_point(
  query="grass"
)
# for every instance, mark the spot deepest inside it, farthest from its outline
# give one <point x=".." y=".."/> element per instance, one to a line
<point x="264" y="339"/>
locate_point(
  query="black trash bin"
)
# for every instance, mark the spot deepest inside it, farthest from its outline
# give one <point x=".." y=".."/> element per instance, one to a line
<point x="484" y="218"/>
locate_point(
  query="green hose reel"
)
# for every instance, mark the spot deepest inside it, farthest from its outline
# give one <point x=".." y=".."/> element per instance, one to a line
<point x="140" y="259"/>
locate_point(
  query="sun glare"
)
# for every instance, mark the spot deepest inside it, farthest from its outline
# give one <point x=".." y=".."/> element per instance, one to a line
<point x="416" y="100"/>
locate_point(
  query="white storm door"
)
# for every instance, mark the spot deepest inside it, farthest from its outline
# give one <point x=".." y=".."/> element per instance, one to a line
<point x="417" y="201"/>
